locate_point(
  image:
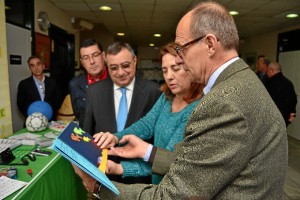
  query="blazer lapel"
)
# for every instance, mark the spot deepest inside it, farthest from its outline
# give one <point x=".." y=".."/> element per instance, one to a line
<point x="109" y="102"/>
<point x="34" y="90"/>
<point x="137" y="101"/>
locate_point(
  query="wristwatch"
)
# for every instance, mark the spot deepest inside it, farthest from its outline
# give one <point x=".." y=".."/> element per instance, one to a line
<point x="96" y="191"/>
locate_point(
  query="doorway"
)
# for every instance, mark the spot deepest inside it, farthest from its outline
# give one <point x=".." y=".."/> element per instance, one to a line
<point x="62" y="58"/>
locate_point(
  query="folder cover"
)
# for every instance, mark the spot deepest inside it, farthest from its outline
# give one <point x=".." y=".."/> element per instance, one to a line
<point x="78" y="147"/>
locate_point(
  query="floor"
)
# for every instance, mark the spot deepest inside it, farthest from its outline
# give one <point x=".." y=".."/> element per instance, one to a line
<point x="292" y="182"/>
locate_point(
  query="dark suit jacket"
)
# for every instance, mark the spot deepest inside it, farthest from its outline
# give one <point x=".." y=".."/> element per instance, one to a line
<point x="263" y="77"/>
<point x="28" y="93"/>
<point x="100" y="111"/>
<point x="232" y="150"/>
<point x="283" y="93"/>
<point x="78" y="89"/>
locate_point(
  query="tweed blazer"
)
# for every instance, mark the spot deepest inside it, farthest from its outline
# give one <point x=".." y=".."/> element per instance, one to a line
<point x="28" y="93"/>
<point x="232" y="150"/>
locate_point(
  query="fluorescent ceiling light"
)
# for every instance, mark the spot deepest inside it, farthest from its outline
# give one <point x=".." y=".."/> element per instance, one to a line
<point x="292" y="15"/>
<point x="233" y="12"/>
<point x="120" y="34"/>
<point x="105" y="8"/>
<point x="157" y="35"/>
<point x="151" y="45"/>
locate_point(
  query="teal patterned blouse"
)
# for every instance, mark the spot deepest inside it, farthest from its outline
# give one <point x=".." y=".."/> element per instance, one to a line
<point x="167" y="128"/>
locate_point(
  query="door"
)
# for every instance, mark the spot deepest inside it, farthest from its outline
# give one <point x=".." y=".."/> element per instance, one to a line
<point x="62" y="65"/>
<point x="18" y="51"/>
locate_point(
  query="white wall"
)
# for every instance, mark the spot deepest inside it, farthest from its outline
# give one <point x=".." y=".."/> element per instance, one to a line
<point x="265" y="44"/>
<point x="290" y="68"/>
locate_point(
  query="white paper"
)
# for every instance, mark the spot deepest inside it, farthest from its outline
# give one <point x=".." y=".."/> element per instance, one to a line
<point x="9" y="186"/>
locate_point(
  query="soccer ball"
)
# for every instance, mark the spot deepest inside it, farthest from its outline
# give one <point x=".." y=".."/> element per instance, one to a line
<point x="36" y="122"/>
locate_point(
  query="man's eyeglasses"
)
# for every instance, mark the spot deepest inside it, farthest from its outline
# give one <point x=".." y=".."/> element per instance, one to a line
<point x="86" y="58"/>
<point x="179" y="49"/>
<point x="125" y="66"/>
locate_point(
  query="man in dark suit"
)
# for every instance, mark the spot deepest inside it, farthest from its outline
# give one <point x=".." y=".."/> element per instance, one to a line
<point x="37" y="87"/>
<point x="282" y="91"/>
<point x="261" y="68"/>
<point x="231" y="149"/>
<point x="92" y="60"/>
<point x="103" y="97"/>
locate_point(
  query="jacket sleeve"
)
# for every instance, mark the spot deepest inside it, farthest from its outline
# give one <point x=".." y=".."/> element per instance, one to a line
<point x="21" y="102"/>
<point x="136" y="168"/>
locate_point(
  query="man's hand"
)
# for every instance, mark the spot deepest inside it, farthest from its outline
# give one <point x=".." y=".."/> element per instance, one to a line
<point x="113" y="168"/>
<point x="135" y="147"/>
<point x="292" y="117"/>
<point x="105" y="140"/>
<point x="87" y="181"/>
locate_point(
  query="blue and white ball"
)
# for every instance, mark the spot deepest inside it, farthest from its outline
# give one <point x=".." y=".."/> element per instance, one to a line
<point x="36" y="122"/>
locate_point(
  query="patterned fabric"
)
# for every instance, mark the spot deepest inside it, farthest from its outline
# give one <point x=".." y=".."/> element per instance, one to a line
<point x="231" y="149"/>
<point x="154" y="125"/>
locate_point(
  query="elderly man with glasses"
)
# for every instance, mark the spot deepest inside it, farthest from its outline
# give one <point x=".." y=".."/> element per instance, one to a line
<point x="231" y="150"/>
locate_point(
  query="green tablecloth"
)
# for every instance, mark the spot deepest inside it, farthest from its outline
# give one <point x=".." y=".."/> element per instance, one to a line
<point x="53" y="178"/>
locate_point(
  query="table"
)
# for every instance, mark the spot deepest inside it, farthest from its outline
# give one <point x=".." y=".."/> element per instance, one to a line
<point x="53" y="178"/>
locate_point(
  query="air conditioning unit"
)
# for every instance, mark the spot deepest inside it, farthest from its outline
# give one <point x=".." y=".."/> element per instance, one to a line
<point x="81" y="24"/>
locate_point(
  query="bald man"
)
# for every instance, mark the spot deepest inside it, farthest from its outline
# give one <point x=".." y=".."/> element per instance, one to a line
<point x="282" y="91"/>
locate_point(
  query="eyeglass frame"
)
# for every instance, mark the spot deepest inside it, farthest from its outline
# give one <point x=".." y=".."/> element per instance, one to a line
<point x="179" y="48"/>
<point x="86" y="58"/>
<point x="117" y="66"/>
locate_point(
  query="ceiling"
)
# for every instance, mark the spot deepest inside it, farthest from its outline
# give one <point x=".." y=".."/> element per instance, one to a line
<point x="140" y="19"/>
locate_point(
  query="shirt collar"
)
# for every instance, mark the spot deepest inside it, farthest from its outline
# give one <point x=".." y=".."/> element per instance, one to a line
<point x="128" y="87"/>
<point x="101" y="76"/>
<point x="212" y="79"/>
<point x="38" y="80"/>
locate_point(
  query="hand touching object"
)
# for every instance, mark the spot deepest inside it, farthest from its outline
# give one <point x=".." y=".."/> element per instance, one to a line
<point x="134" y="147"/>
<point x="105" y="140"/>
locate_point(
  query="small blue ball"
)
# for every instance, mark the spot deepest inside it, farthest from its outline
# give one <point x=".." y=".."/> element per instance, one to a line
<point x="42" y="107"/>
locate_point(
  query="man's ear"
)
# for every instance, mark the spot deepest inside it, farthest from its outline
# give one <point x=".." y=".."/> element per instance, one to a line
<point x="211" y="42"/>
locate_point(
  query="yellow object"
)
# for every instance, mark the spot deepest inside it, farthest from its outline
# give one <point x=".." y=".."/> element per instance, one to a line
<point x="102" y="166"/>
<point x="65" y="113"/>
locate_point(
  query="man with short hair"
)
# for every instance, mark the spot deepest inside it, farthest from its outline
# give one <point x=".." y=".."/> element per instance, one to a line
<point x="282" y="91"/>
<point x="92" y="60"/>
<point x="104" y="97"/>
<point x="37" y="87"/>
<point x="261" y="68"/>
<point x="231" y="149"/>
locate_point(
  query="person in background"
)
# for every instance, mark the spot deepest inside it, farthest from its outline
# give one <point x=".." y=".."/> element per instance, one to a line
<point x="282" y="91"/>
<point x="92" y="60"/>
<point x="173" y="108"/>
<point x="105" y="97"/>
<point x="37" y="87"/>
<point x="261" y="68"/>
<point x="231" y="149"/>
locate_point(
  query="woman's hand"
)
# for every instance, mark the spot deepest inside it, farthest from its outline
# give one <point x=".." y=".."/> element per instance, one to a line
<point x="105" y="140"/>
<point x="113" y="168"/>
